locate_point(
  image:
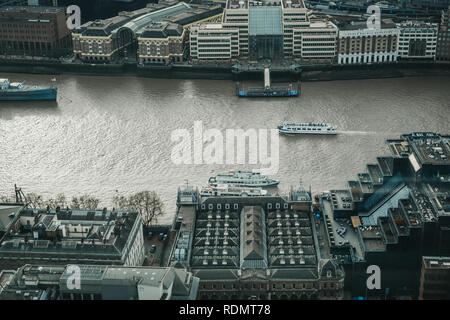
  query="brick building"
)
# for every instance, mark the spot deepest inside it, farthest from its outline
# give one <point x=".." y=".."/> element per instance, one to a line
<point x="34" y="31"/>
<point x="443" y="38"/>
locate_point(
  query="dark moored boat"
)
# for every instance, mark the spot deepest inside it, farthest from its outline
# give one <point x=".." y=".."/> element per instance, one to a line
<point x="18" y="91"/>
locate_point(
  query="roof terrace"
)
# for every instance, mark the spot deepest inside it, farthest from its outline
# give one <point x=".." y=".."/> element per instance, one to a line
<point x="387" y="232"/>
<point x="237" y="4"/>
<point x="399" y="148"/>
<point x="365" y="182"/>
<point x="424" y="206"/>
<point x="400" y="221"/>
<point x="375" y="174"/>
<point x="293" y="4"/>
<point x="437" y="262"/>
<point x="341" y="199"/>
<point x="430" y="148"/>
<point x="409" y="209"/>
<point x="356" y="191"/>
<point x="371" y="238"/>
<point x="386" y="165"/>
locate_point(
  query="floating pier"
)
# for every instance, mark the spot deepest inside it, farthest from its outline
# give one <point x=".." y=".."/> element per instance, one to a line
<point x="290" y="90"/>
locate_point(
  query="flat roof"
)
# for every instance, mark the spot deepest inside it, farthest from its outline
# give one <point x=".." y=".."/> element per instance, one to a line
<point x="34" y="9"/>
<point x="436" y="262"/>
<point x="265" y="21"/>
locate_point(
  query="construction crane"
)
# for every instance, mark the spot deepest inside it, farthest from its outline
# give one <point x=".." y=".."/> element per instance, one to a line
<point x="20" y="196"/>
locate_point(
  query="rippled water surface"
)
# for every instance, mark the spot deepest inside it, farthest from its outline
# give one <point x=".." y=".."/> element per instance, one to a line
<point x="112" y="135"/>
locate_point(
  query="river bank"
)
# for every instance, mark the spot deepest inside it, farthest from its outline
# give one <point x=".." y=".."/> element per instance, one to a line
<point x="225" y="71"/>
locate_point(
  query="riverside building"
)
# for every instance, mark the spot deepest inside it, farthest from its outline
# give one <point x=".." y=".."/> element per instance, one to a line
<point x="392" y="215"/>
<point x="417" y="40"/>
<point x="155" y="34"/>
<point x="443" y="39"/>
<point x="358" y="45"/>
<point x="65" y="236"/>
<point x="259" y="247"/>
<point x="30" y="31"/>
<point x="269" y="30"/>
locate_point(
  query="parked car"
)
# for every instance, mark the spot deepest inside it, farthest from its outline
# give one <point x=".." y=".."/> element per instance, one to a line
<point x="152" y="249"/>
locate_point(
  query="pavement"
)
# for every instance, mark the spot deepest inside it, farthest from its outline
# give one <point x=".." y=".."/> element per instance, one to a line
<point x="161" y="256"/>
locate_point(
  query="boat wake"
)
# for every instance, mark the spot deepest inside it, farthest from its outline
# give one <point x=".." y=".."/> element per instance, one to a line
<point x="358" y="132"/>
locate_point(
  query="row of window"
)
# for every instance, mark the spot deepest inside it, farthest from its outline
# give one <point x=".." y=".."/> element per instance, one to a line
<point x="235" y="206"/>
<point x="263" y="286"/>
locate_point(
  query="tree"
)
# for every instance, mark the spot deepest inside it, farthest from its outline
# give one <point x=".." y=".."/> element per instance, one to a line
<point x="121" y="203"/>
<point x="35" y="201"/>
<point x="85" y="202"/>
<point x="5" y="199"/>
<point x="60" y="200"/>
<point x="148" y="204"/>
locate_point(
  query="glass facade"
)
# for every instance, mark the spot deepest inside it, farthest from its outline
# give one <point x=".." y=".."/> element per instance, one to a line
<point x="265" y="33"/>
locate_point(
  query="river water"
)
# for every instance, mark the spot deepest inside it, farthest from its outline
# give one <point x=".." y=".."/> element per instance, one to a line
<point x="107" y="136"/>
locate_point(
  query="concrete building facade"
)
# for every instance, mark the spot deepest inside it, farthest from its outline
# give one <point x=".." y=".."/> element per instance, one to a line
<point x="358" y="44"/>
<point x="53" y="282"/>
<point x="212" y="42"/>
<point x="273" y="30"/>
<point x="435" y="278"/>
<point x="417" y="40"/>
<point x="73" y="236"/>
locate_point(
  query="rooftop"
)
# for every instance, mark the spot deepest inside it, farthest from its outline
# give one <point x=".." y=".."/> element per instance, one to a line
<point x="33" y="9"/>
<point x="362" y="24"/>
<point x="436" y="262"/>
<point x="144" y="22"/>
<point x="87" y="232"/>
<point x="371" y="237"/>
<point x="265" y="20"/>
<point x="293" y="3"/>
<point x="430" y="148"/>
<point x="237" y="4"/>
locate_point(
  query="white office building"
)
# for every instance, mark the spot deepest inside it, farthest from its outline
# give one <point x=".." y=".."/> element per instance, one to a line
<point x="267" y="29"/>
<point x="417" y="40"/>
<point x="212" y="42"/>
